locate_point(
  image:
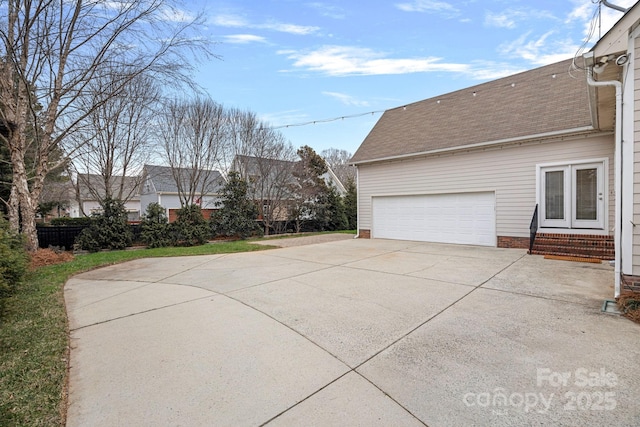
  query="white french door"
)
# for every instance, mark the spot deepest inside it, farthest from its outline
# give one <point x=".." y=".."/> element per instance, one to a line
<point x="572" y="196"/>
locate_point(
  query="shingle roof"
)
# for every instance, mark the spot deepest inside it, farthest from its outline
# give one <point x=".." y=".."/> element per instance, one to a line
<point x="92" y="186"/>
<point x="275" y="168"/>
<point x="251" y="165"/>
<point x="163" y="180"/>
<point x="539" y="101"/>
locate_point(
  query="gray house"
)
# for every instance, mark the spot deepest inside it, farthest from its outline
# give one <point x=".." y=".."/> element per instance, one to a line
<point x="160" y="185"/>
<point x="471" y="166"/>
<point x="91" y="190"/>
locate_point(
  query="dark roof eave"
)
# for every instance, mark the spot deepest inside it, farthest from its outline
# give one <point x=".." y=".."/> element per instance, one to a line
<point x="547" y="135"/>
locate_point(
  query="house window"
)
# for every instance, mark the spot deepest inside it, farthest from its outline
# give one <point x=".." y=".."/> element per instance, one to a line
<point x="573" y="195"/>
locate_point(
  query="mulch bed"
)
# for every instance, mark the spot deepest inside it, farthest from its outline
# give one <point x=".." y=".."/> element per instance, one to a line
<point x="49" y="257"/>
<point x="629" y="305"/>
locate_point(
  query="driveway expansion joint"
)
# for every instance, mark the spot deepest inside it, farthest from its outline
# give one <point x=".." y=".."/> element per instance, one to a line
<point x="139" y="313"/>
<point x="394" y="366"/>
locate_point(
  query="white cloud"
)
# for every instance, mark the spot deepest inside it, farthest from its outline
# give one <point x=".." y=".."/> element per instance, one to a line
<point x="427" y="6"/>
<point x="235" y="21"/>
<point x="500" y="20"/>
<point x="283" y="118"/>
<point x="229" y="21"/>
<point x="510" y="18"/>
<point x="330" y="11"/>
<point x="346" y="99"/>
<point x="349" y="61"/>
<point x="582" y="12"/>
<point x="539" y="50"/>
<point x="244" y="39"/>
<point x="288" y="28"/>
<point x="587" y="12"/>
<point x="173" y="14"/>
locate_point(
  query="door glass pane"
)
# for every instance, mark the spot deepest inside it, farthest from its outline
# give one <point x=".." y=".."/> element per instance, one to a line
<point x="554" y="195"/>
<point x="587" y="194"/>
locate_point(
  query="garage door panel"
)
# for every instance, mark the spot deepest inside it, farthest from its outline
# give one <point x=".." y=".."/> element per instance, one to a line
<point x="465" y="218"/>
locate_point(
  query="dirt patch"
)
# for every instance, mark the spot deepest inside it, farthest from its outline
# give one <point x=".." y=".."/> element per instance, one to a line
<point x="629" y="305"/>
<point x="49" y="257"/>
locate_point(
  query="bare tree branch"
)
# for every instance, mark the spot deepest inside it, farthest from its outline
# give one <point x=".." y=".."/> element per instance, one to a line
<point x="52" y="50"/>
<point x="193" y="136"/>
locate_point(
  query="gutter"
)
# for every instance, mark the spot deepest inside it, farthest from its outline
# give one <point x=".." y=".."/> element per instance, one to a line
<point x="589" y="58"/>
<point x="613" y="6"/>
<point x="516" y="140"/>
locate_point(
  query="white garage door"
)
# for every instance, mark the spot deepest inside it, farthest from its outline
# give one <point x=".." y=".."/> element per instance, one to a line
<point x="465" y="218"/>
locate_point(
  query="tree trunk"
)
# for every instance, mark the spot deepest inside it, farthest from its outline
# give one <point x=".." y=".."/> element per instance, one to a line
<point x="20" y="191"/>
<point x="13" y="209"/>
<point x="29" y="230"/>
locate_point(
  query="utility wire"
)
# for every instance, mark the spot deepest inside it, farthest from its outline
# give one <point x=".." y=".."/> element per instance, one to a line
<point x="313" y="122"/>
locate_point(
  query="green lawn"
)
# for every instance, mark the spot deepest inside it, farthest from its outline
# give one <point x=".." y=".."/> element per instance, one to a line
<point x="34" y="334"/>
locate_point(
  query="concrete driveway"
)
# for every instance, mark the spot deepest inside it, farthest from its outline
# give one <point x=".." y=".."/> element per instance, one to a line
<point x="351" y="333"/>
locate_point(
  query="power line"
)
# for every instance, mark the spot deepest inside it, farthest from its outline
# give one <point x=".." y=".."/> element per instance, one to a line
<point x="313" y="122"/>
<point x="511" y="81"/>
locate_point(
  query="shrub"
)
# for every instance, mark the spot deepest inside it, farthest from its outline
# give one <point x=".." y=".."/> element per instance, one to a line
<point x="13" y="261"/>
<point x="108" y="229"/>
<point x="190" y="228"/>
<point x="237" y="214"/>
<point x="155" y="227"/>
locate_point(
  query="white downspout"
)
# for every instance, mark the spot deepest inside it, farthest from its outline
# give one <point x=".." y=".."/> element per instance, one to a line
<point x="357" y="202"/>
<point x="618" y="169"/>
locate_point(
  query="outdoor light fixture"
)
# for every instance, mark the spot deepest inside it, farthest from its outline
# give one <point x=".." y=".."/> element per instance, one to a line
<point x="622" y="59"/>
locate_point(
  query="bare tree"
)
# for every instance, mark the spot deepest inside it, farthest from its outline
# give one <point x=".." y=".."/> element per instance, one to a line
<point x="265" y="159"/>
<point x="114" y="141"/>
<point x="51" y="50"/>
<point x="244" y="134"/>
<point x="193" y="136"/>
<point x="338" y="161"/>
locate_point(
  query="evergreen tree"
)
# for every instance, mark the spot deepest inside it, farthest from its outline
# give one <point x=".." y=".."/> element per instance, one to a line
<point x="310" y="190"/>
<point x="351" y="205"/>
<point x="155" y="227"/>
<point x="109" y="228"/>
<point x="190" y="228"/>
<point x="336" y="218"/>
<point x="237" y="214"/>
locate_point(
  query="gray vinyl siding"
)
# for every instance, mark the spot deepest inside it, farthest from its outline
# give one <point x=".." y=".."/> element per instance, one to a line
<point x="509" y="171"/>
<point x="146" y="200"/>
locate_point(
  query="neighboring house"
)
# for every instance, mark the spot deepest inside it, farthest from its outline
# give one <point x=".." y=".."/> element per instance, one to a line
<point x="271" y="182"/>
<point x="159" y="186"/>
<point x="91" y="190"/>
<point x="257" y="168"/>
<point x="471" y="166"/>
<point x="60" y="196"/>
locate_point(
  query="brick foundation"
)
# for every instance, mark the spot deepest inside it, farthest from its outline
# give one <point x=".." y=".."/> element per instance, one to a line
<point x="513" y="242"/>
<point x="364" y="234"/>
<point x="578" y="245"/>
<point x="631" y="283"/>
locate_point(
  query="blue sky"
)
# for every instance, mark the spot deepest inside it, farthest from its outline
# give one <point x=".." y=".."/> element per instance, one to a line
<point x="296" y="61"/>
